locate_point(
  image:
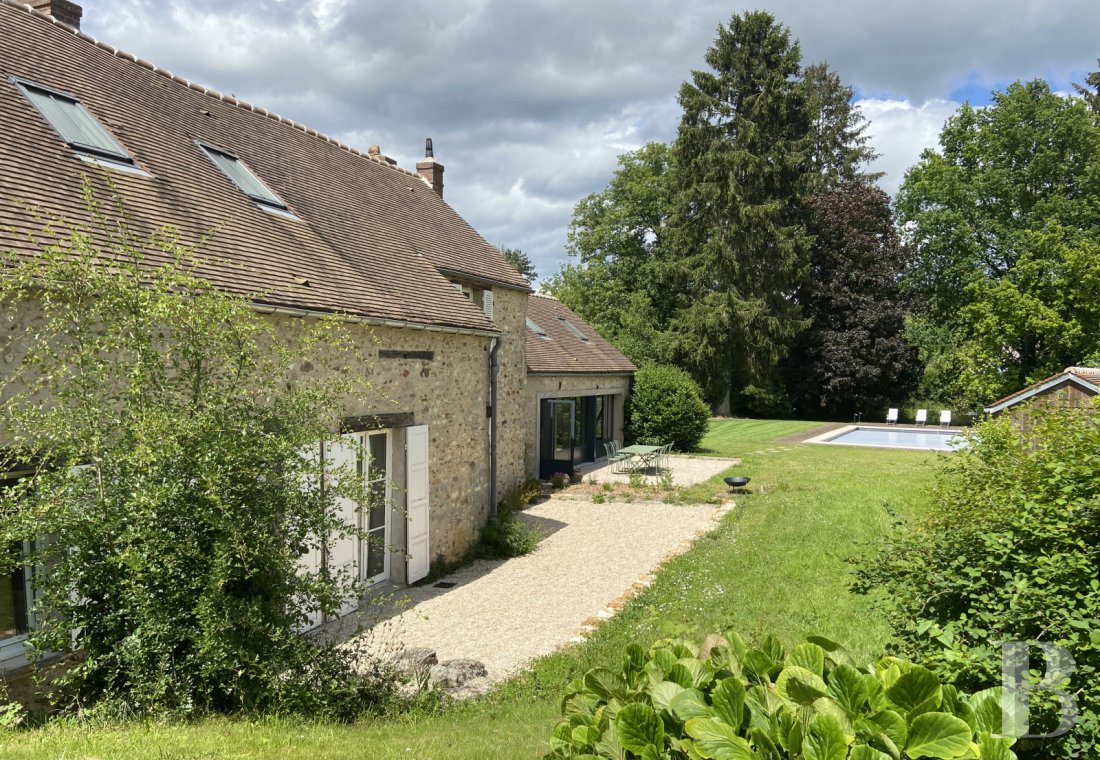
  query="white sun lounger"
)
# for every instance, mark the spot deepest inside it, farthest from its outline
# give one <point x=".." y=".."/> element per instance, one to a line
<point x="945" y="418"/>
<point x="892" y="416"/>
<point x="922" y="417"/>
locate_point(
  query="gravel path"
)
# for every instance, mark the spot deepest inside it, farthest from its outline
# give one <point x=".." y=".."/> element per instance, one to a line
<point x="686" y="471"/>
<point x="505" y="613"/>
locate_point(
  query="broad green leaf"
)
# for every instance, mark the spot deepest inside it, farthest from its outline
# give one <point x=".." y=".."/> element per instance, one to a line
<point x="937" y="735"/>
<point x="764" y="706"/>
<point x="987" y="710"/>
<point x="847" y="687"/>
<point x="584" y="736"/>
<point x="824" y="740"/>
<point x="690" y="703"/>
<point x="714" y="739"/>
<point x="958" y="707"/>
<point x="836" y="653"/>
<point x="827" y="706"/>
<point x="637" y="726"/>
<point x="773" y="647"/>
<point x="609" y="745"/>
<point x="633" y="658"/>
<point x="888" y="676"/>
<point x="863" y="752"/>
<point x="651" y="753"/>
<point x="679" y="673"/>
<point x="728" y="701"/>
<point x="893" y="725"/>
<point x="757" y="665"/>
<point x="800" y="685"/>
<point x="996" y="747"/>
<point x="808" y="656"/>
<point x="664" y="659"/>
<point x="736" y="643"/>
<point x="914" y="689"/>
<point x="700" y="671"/>
<point x="606" y="684"/>
<point x="663" y="693"/>
<point x="765" y="747"/>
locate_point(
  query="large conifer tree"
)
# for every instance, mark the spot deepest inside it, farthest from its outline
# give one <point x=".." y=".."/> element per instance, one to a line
<point x="736" y="226"/>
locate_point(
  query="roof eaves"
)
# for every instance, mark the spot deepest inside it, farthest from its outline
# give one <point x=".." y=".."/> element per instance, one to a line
<point x="293" y="311"/>
<point x="1042" y="385"/>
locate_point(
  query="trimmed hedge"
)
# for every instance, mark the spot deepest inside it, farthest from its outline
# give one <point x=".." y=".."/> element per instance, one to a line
<point x="666" y="406"/>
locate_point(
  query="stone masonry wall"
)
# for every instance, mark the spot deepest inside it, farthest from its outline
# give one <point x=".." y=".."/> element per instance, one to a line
<point x="564" y="386"/>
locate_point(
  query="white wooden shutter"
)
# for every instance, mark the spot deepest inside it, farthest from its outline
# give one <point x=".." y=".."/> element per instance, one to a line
<point x="343" y="551"/>
<point x="487" y="303"/>
<point x="310" y="562"/>
<point x="416" y="484"/>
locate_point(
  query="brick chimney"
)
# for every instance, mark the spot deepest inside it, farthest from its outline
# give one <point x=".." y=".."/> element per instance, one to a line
<point x="62" y="10"/>
<point x="430" y="169"/>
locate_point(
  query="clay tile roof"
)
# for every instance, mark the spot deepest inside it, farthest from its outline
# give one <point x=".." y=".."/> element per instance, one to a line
<point x="562" y="352"/>
<point x="370" y="239"/>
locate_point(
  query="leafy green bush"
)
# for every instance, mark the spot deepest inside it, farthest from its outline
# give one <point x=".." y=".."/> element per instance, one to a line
<point x="731" y="702"/>
<point x="507" y="536"/>
<point x="1007" y="553"/>
<point x="666" y="407"/>
<point x="166" y="438"/>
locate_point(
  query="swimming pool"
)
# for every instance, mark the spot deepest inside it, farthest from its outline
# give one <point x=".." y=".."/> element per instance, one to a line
<point x="897" y="438"/>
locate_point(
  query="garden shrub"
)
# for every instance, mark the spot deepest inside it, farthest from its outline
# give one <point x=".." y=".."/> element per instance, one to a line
<point x="1007" y="553"/>
<point x="666" y="407"/>
<point x="732" y="702"/>
<point x="167" y="439"/>
<point x="505" y="535"/>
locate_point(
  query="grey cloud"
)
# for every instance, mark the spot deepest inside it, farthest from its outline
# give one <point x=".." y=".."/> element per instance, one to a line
<point x="529" y="103"/>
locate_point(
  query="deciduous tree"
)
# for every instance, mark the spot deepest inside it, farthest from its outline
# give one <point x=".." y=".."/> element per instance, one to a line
<point x="1004" y="221"/>
<point x="853" y="356"/>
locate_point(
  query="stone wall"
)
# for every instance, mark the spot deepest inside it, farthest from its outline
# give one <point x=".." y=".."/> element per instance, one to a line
<point x="448" y="392"/>
<point x="564" y="386"/>
<point x="514" y="417"/>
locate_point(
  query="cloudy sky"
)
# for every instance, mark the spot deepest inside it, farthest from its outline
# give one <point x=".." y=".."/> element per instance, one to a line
<point x="529" y="102"/>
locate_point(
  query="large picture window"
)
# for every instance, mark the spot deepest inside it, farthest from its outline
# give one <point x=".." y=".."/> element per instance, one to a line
<point x="14" y="587"/>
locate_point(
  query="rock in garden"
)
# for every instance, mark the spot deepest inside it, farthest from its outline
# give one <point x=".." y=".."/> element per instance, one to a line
<point x="411" y="662"/>
<point x="453" y="674"/>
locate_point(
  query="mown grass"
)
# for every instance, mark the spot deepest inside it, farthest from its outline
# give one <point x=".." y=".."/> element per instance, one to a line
<point x="780" y="562"/>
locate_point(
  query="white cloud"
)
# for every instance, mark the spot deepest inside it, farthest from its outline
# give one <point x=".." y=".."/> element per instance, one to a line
<point x="529" y="103"/>
<point x="900" y="131"/>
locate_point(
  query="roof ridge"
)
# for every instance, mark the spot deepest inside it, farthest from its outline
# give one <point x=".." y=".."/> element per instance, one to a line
<point x="547" y="296"/>
<point x="229" y="99"/>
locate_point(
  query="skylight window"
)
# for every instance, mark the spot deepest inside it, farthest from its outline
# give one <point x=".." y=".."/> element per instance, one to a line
<point x="236" y="170"/>
<point x="533" y="327"/>
<point x="72" y="121"/>
<point x="573" y="329"/>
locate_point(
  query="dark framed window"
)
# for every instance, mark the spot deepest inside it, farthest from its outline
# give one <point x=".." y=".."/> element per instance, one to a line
<point x="243" y="177"/>
<point x="14" y="591"/>
<point x="573" y="329"/>
<point x="73" y="122"/>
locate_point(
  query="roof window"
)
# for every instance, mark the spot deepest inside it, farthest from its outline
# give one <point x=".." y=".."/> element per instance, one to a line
<point x="573" y="329"/>
<point x="72" y="121"/>
<point x="237" y="171"/>
<point x="533" y="327"/>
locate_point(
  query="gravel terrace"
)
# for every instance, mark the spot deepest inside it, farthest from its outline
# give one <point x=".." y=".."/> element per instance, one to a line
<point x="686" y="470"/>
<point x="506" y="613"/>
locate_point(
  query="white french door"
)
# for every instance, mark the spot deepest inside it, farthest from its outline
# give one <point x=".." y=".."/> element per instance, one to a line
<point x="374" y="468"/>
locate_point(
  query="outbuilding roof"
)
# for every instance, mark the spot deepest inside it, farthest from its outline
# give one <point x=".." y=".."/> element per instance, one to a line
<point x="1086" y="378"/>
<point x="362" y="236"/>
<point x="561" y="343"/>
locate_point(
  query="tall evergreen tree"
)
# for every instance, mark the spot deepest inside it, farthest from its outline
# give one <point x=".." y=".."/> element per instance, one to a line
<point x="839" y="151"/>
<point x="520" y="260"/>
<point x="736" y="223"/>
<point x="1090" y="90"/>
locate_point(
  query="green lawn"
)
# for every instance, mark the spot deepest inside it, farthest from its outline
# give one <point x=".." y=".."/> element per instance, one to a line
<point x="780" y="562"/>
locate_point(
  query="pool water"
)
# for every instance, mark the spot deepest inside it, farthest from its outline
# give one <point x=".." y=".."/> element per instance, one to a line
<point x="902" y="438"/>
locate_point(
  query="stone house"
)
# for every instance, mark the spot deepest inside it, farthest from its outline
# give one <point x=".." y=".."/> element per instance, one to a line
<point x="1071" y="388"/>
<point x="317" y="228"/>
